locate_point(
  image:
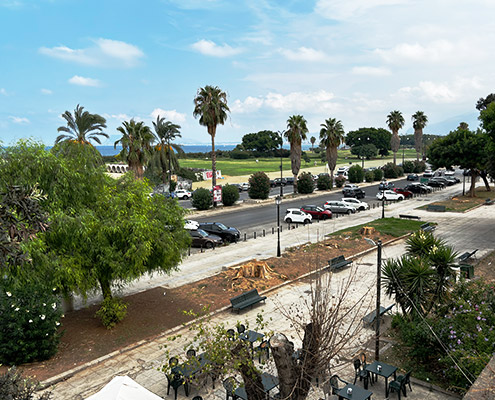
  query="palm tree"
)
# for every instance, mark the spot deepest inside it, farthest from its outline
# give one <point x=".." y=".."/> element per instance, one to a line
<point x="295" y="134"/>
<point x="136" y="143"/>
<point x="166" y="131"/>
<point x="419" y="122"/>
<point x="312" y="140"/>
<point x="210" y="105"/>
<point x="82" y="127"/>
<point x="331" y="136"/>
<point x="395" y="121"/>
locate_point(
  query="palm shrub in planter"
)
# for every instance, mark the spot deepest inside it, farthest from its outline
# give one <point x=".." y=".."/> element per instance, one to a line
<point x="324" y="182"/>
<point x="230" y="194"/>
<point x="339" y="181"/>
<point x="305" y="184"/>
<point x="201" y="199"/>
<point x="29" y="320"/>
<point x="259" y="186"/>
<point x="356" y="174"/>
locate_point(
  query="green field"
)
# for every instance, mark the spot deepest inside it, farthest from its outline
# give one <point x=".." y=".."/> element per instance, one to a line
<point x="249" y="166"/>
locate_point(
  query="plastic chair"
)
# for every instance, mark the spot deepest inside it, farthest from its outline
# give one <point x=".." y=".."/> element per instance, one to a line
<point x="399" y="385"/>
<point x="263" y="348"/>
<point x="241" y="329"/>
<point x="197" y="398"/>
<point x="230" y="334"/>
<point x="360" y="373"/>
<point x="176" y="381"/>
<point x="173" y="362"/>
<point x="191" y="353"/>
<point x="230" y="384"/>
<point x="334" y="383"/>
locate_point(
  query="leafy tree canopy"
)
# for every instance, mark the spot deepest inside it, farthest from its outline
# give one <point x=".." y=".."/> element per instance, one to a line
<point x="367" y="151"/>
<point x="379" y="137"/>
<point x="262" y="141"/>
<point x="483" y="103"/>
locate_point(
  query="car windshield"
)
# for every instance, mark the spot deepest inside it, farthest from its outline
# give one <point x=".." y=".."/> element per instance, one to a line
<point x="202" y="232"/>
<point x="222" y="226"/>
<point x="319" y="209"/>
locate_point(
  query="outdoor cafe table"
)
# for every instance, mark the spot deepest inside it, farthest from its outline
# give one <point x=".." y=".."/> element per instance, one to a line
<point x="191" y="367"/>
<point x="358" y="393"/>
<point x="386" y="371"/>
<point x="269" y="382"/>
<point x="251" y="337"/>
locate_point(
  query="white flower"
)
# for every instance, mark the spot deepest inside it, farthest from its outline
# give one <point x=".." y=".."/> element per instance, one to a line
<point x="54" y="289"/>
<point x="46" y="334"/>
<point x="54" y="306"/>
<point x="17" y="308"/>
<point x="42" y="316"/>
<point x="57" y="323"/>
<point x="30" y="320"/>
<point x="44" y="304"/>
<point x="8" y="294"/>
<point x="12" y="305"/>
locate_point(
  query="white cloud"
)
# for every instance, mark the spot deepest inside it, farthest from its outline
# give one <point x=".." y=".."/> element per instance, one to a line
<point x="19" y="120"/>
<point x="105" y="52"/>
<point x="46" y="91"/>
<point x="119" y="117"/>
<point x="3" y="92"/>
<point x="209" y="48"/>
<point x="436" y="51"/>
<point x="172" y="115"/>
<point x="303" y="54"/>
<point x="345" y="9"/>
<point x="370" y="71"/>
<point x="82" y="81"/>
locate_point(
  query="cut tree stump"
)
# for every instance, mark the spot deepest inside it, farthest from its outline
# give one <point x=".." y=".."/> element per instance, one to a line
<point x="367" y="230"/>
<point x="250" y="274"/>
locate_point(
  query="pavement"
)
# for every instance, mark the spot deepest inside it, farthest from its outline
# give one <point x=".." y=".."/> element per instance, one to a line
<point x="465" y="231"/>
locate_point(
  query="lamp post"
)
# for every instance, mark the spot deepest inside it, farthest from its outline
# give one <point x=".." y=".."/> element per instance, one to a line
<point x="463" y="182"/>
<point x="378" y="244"/>
<point x="281" y="148"/>
<point x="278" y="200"/>
<point x="383" y="205"/>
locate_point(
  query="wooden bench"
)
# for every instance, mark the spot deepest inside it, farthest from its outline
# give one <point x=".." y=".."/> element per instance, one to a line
<point x="428" y="227"/>
<point x="465" y="256"/>
<point x="435" y="207"/>
<point x="405" y="216"/>
<point x="371" y="317"/>
<point x="245" y="300"/>
<point x="338" y="263"/>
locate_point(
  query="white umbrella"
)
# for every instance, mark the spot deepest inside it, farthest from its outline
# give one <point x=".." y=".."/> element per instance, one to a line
<point x="124" y="388"/>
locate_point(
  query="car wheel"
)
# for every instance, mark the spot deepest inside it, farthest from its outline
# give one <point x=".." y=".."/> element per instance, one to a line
<point x="208" y="245"/>
<point x="306" y="221"/>
<point x="400" y="199"/>
<point x="348" y="212"/>
<point x="288" y="220"/>
<point x="185" y="198"/>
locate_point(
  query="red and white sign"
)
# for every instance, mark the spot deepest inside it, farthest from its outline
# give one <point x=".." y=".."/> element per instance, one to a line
<point x="217" y="193"/>
<point x="209" y="174"/>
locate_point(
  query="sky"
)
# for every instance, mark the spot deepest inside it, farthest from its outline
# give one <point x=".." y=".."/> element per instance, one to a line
<point x="353" y="60"/>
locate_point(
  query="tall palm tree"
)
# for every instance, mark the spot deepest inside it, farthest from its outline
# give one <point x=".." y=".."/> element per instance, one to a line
<point x="313" y="141"/>
<point x="166" y="132"/>
<point x="295" y="134"/>
<point x="331" y="136"/>
<point x="395" y="121"/>
<point x="136" y="143"/>
<point x="210" y="105"/>
<point x="419" y="122"/>
<point x="82" y="127"/>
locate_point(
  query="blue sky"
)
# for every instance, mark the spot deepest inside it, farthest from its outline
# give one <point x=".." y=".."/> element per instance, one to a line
<point x="354" y="60"/>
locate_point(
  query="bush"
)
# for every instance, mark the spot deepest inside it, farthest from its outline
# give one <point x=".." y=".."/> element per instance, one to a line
<point x="29" y="320"/>
<point x="111" y="312"/>
<point x="239" y="155"/>
<point x="391" y="171"/>
<point x="230" y="194"/>
<point x="14" y="387"/>
<point x="339" y="181"/>
<point x="202" y="199"/>
<point x="186" y="173"/>
<point x="408" y="167"/>
<point x="305" y="183"/>
<point x="369" y="176"/>
<point x="260" y="186"/>
<point x="324" y="182"/>
<point x="356" y="174"/>
<point x="378" y="174"/>
<point x="419" y="166"/>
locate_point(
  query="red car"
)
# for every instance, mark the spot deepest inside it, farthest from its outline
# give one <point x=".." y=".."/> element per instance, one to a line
<point x="406" y="193"/>
<point x="317" y="212"/>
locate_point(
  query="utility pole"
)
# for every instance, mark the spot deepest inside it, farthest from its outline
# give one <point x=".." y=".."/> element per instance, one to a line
<point x="378" y="294"/>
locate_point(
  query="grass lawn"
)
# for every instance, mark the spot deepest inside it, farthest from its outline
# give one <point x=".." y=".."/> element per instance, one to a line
<point x="389" y="226"/>
<point x="464" y="203"/>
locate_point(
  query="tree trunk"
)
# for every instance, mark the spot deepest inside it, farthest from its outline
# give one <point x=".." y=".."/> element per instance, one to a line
<point x="106" y="290"/>
<point x="395" y="144"/>
<point x="164" y="170"/>
<point x="287" y="368"/>
<point x="472" y="189"/>
<point x="418" y="142"/>
<point x="484" y="176"/>
<point x="295" y="161"/>
<point x="212" y="131"/>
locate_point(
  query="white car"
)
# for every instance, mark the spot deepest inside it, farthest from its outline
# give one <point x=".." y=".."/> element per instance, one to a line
<point x="183" y="194"/>
<point x="245" y="186"/>
<point x="191" y="225"/>
<point x="358" y="204"/>
<point x="449" y="173"/>
<point x="389" y="195"/>
<point x="296" y="215"/>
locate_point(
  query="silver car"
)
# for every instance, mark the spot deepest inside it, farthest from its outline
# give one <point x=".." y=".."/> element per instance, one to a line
<point x="336" y="206"/>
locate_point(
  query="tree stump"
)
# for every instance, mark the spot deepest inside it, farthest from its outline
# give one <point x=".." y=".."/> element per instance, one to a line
<point x="367" y="230"/>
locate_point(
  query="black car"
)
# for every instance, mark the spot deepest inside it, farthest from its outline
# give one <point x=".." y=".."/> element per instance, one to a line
<point x="202" y="239"/>
<point x="289" y="181"/>
<point x="227" y="233"/>
<point x="412" y="177"/>
<point x="445" y="181"/>
<point x="354" y="192"/>
<point x="436" y="183"/>
<point x="280" y="181"/>
<point x="417" y="188"/>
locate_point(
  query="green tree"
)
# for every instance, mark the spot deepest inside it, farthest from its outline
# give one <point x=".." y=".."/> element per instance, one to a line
<point x="202" y="199"/>
<point x="263" y="142"/>
<point x="305" y="183"/>
<point x="296" y="132"/>
<point x="313" y="141"/>
<point x="136" y="143"/>
<point x="483" y="103"/>
<point x="331" y="137"/>
<point x="324" y="182"/>
<point x="395" y="121"/>
<point x="356" y="174"/>
<point x="487" y="118"/>
<point x="14" y="386"/>
<point x="379" y="137"/>
<point x="82" y="127"/>
<point x="167" y="132"/>
<point x="259" y="186"/>
<point x="367" y="151"/>
<point x="419" y="122"/>
<point x="230" y="194"/>
<point x="210" y="105"/>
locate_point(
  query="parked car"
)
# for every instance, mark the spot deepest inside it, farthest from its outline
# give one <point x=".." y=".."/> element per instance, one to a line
<point x="449" y="173"/>
<point x="389" y="195"/>
<point x="227" y="233"/>
<point x="296" y="215"/>
<point x="444" y="180"/>
<point x="280" y="181"/>
<point x="237" y="185"/>
<point x="183" y="194"/>
<point x="452" y="178"/>
<point x="336" y="206"/>
<point x="190" y="224"/>
<point x="351" y="186"/>
<point x="417" y="188"/>
<point x="202" y="239"/>
<point x="436" y="183"/>
<point x="359" y="205"/>
<point x="406" y="193"/>
<point x="384" y="185"/>
<point x="412" y="177"/>
<point x="245" y="186"/>
<point x="317" y="212"/>
<point x="428" y="174"/>
<point x="289" y="181"/>
<point x="356" y="192"/>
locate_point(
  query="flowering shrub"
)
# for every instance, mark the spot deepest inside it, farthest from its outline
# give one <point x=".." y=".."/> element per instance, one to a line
<point x="29" y="317"/>
<point x="339" y="181"/>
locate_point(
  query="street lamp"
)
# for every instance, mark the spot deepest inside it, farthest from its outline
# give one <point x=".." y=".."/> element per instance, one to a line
<point x="383" y="205"/>
<point x="378" y="244"/>
<point x="278" y="200"/>
<point x="281" y="148"/>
